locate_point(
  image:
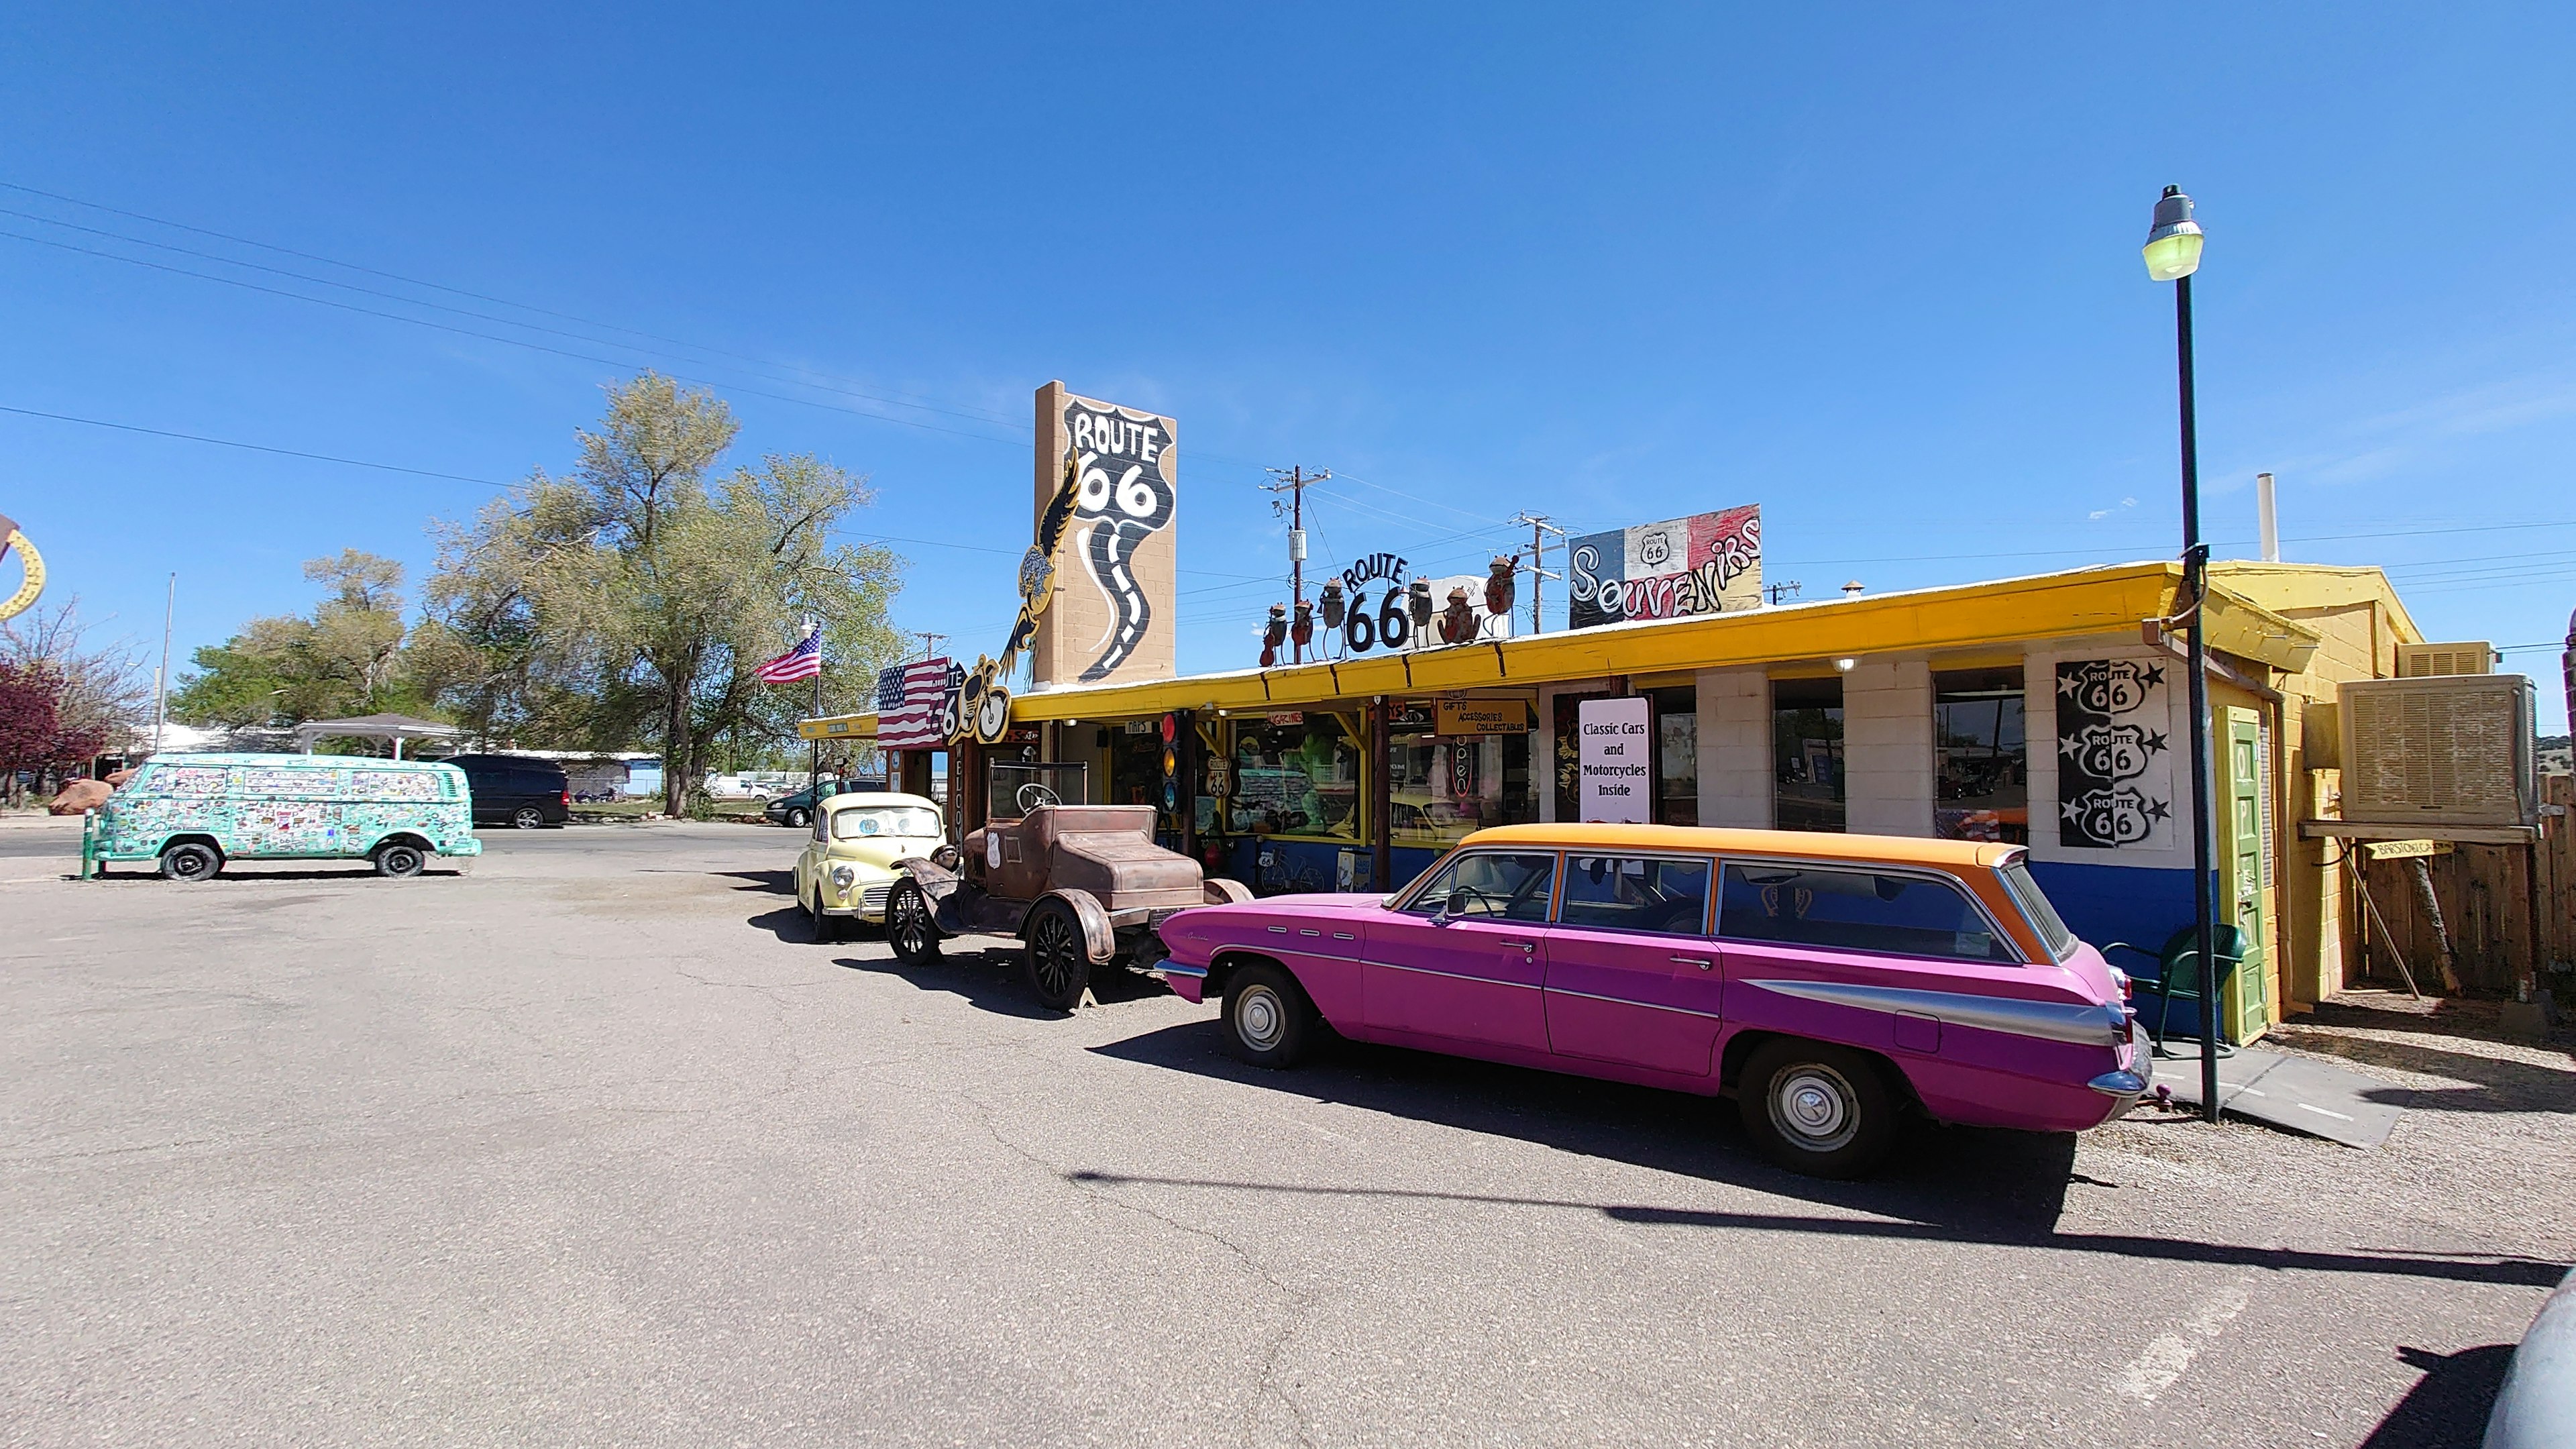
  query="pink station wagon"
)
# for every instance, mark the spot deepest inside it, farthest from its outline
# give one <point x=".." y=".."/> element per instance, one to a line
<point x="1830" y="983"/>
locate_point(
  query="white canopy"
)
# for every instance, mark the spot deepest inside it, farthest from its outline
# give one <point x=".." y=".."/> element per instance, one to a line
<point x="394" y="727"/>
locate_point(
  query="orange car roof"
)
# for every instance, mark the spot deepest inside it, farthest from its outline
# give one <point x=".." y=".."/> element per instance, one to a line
<point x="1892" y="849"/>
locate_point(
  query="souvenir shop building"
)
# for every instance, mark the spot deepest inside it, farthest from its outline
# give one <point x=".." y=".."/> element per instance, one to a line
<point x="2045" y="710"/>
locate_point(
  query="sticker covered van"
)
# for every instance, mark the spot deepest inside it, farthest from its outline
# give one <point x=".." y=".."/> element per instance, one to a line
<point x="190" y="814"/>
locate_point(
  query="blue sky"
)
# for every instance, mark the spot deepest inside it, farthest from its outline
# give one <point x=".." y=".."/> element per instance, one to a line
<point x="1875" y="269"/>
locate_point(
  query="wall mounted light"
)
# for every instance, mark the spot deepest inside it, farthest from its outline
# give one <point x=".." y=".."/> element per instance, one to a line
<point x="1845" y="666"/>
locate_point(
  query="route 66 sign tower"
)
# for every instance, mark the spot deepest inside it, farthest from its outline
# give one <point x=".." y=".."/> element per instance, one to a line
<point x="1112" y="618"/>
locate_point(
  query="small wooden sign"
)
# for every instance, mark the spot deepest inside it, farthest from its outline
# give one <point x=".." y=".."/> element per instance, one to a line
<point x="2406" y="849"/>
<point x="1483" y="717"/>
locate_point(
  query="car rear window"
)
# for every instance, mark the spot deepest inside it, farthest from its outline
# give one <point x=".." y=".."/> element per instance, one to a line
<point x="1847" y="909"/>
<point x="2035" y="904"/>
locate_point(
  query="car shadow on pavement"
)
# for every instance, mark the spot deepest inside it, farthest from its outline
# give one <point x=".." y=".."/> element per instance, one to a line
<point x="988" y="979"/>
<point x="2448" y="1407"/>
<point x="235" y="875"/>
<point x="1943" y="1184"/>
<point x="782" y="881"/>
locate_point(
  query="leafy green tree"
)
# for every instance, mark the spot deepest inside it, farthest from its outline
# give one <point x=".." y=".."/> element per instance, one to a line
<point x="632" y="600"/>
<point x="348" y="656"/>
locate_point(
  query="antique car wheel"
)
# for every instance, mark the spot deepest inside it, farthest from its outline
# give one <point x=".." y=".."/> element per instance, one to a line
<point x="827" y="929"/>
<point x="1059" y="959"/>
<point x="191" y="861"/>
<point x="528" y="817"/>
<point x="398" y="860"/>
<point x="1825" y="1111"/>
<point x="799" y="819"/>
<point x="909" y="927"/>
<point x="1268" y="1020"/>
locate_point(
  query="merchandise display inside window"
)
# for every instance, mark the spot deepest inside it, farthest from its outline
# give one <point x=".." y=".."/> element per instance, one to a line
<point x="1444" y="787"/>
<point x="1295" y="779"/>
<point x="1807" y="753"/>
<point x="1676" y="755"/>
<point x="1981" y="787"/>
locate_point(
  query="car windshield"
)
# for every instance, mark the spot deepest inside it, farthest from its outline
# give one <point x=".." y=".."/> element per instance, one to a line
<point x="911" y="821"/>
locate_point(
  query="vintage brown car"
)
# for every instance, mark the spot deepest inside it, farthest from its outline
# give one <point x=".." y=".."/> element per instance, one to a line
<point x="1081" y="886"/>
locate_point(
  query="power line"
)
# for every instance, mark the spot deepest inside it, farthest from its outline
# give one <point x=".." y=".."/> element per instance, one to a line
<point x="255" y="447"/>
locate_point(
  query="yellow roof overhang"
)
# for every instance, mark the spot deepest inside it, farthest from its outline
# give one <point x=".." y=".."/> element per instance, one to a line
<point x="2076" y="604"/>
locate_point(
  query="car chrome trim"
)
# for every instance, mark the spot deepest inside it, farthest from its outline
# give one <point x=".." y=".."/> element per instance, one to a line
<point x="2046" y="1020"/>
<point x="1456" y="975"/>
<point x="2123" y="1083"/>
<point x="1168" y="969"/>
<point x="1632" y="1001"/>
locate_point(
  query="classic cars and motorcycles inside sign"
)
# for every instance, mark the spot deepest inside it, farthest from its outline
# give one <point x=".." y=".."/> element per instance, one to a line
<point x="1615" y="760"/>
<point x="1707" y="563"/>
<point x="2114" y="754"/>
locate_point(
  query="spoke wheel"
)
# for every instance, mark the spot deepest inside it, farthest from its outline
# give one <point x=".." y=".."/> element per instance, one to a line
<point x="528" y="817"/>
<point x="1059" y="959"/>
<point x="909" y="927"/>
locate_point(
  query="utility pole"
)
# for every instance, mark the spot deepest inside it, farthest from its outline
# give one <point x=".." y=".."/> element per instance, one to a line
<point x="929" y="642"/>
<point x="1785" y="589"/>
<point x="1294" y="481"/>
<point x="1540" y="526"/>
<point x="161" y="681"/>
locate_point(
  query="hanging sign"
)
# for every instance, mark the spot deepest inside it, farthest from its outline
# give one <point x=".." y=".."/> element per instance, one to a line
<point x="1707" y="563"/>
<point x="2114" y="755"/>
<point x="1483" y="717"/>
<point x="1613" y="760"/>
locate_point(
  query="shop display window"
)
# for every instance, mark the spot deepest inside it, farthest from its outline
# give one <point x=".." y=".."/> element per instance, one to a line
<point x="1299" y="778"/>
<point x="1807" y="753"/>
<point x="1982" y="756"/>
<point x="1442" y="787"/>
<point x="1676" y="755"/>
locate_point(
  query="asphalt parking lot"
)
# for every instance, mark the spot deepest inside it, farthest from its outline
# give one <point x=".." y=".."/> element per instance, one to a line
<point x="589" y="1143"/>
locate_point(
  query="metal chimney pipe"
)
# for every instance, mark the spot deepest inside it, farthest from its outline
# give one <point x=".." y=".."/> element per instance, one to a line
<point x="2267" y="519"/>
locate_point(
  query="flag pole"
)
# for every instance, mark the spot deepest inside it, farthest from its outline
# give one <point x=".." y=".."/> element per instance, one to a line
<point x="814" y="776"/>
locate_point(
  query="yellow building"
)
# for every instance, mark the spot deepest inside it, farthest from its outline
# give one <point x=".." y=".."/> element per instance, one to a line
<point x="2049" y="710"/>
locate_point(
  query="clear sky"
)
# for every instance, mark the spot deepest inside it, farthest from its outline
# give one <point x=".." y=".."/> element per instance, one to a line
<point x="1873" y="268"/>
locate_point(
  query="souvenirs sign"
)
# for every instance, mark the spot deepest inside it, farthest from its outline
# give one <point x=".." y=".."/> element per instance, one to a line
<point x="1707" y="563"/>
<point x="2114" y="754"/>
<point x="1113" y="566"/>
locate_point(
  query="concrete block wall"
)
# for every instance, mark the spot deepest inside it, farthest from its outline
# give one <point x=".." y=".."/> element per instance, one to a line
<point x="1735" y="748"/>
<point x="1887" y="747"/>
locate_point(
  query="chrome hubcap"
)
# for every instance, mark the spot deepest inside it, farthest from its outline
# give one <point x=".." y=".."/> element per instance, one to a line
<point x="1260" y="1017"/>
<point x="1815" y="1107"/>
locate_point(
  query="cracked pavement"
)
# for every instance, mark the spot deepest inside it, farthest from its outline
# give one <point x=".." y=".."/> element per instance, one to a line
<point x="588" y="1143"/>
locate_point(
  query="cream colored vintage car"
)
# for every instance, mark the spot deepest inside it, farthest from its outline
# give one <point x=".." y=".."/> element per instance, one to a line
<point x="848" y="864"/>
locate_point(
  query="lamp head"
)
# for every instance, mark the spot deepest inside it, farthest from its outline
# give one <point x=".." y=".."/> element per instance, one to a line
<point x="2173" y="242"/>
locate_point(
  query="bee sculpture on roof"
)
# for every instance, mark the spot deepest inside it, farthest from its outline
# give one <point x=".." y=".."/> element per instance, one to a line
<point x="30" y="562"/>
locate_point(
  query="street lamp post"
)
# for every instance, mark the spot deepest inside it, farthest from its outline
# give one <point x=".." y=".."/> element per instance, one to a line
<point x="2173" y="253"/>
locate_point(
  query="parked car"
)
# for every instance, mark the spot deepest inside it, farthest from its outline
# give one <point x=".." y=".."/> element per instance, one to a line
<point x="517" y="790"/>
<point x="851" y="861"/>
<point x="194" y="813"/>
<point x="1829" y="983"/>
<point x="1082" y="886"/>
<point x="797" y="811"/>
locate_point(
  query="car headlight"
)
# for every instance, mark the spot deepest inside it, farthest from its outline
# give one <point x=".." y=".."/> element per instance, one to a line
<point x="842" y="875"/>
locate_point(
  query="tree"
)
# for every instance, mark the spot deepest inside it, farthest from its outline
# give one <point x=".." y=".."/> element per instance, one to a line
<point x="633" y="600"/>
<point x="64" y="699"/>
<point x="349" y="656"/>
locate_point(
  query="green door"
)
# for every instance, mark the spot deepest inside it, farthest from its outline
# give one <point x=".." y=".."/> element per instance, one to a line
<point x="2244" y="886"/>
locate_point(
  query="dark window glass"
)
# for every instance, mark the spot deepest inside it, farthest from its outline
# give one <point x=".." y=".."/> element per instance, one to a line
<point x="2035" y="904"/>
<point x="1300" y="776"/>
<point x="1983" y="756"/>
<point x="1507" y="887"/>
<point x="1632" y="893"/>
<point x="1855" y="910"/>
<point x="1807" y="753"/>
<point x="1676" y="755"/>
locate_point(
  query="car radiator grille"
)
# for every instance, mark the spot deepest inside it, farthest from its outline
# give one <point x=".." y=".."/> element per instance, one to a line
<point x="873" y="899"/>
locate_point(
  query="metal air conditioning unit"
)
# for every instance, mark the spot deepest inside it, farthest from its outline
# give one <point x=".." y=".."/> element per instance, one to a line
<point x="2447" y="750"/>
<point x="2422" y="661"/>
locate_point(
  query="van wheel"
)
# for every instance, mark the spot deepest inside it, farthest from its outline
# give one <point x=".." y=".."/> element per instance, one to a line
<point x="398" y="860"/>
<point x="528" y="817"/>
<point x="799" y="819"/>
<point x="191" y="860"/>
<point x="1825" y="1111"/>
<point x="1268" y="1019"/>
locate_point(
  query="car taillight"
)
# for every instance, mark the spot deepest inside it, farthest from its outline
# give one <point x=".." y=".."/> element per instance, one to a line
<point x="2128" y="987"/>
<point x="567" y="799"/>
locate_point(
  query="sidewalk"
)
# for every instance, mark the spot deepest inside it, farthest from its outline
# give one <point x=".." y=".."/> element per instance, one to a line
<point x="37" y="819"/>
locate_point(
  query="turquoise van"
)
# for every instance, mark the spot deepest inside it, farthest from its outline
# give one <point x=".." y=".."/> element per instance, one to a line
<point x="192" y="813"/>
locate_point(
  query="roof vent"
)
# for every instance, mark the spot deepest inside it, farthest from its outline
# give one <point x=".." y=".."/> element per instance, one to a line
<point x="2424" y="661"/>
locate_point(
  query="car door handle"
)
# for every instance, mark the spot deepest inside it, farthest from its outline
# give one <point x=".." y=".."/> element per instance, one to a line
<point x="1530" y="946"/>
<point x="1702" y="962"/>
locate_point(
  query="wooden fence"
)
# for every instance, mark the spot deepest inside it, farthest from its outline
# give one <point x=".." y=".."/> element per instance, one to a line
<point x="2486" y="906"/>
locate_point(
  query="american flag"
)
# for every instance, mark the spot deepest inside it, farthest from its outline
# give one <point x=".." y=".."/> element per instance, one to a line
<point x="802" y="662"/>
<point x="908" y="700"/>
